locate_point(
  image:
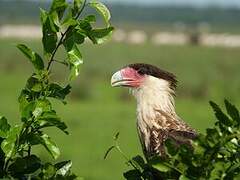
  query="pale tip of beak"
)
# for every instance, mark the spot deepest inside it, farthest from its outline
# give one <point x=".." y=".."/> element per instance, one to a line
<point x="116" y="78"/>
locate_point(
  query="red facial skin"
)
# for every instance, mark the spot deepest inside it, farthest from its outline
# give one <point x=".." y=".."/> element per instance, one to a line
<point x="132" y="77"/>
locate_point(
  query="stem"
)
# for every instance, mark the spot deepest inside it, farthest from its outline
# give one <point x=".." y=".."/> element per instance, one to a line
<point x="23" y="131"/>
<point x="127" y="159"/>
<point x="80" y="11"/>
<point x="63" y="36"/>
<point x="6" y="165"/>
<point x="29" y="145"/>
<point x="125" y="156"/>
<point x="55" y="50"/>
<point x="29" y="150"/>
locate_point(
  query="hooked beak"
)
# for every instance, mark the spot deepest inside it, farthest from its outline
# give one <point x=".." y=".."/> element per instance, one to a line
<point x="118" y="80"/>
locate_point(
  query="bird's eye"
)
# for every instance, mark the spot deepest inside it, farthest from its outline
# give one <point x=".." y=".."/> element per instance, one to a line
<point x="142" y="71"/>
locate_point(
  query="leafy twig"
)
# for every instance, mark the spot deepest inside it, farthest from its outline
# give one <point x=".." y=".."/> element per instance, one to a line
<point x="63" y="36"/>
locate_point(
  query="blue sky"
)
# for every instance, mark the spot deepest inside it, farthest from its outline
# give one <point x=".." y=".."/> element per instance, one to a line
<point x="198" y="3"/>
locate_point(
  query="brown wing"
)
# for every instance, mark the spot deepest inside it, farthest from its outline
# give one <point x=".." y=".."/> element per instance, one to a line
<point x="168" y="126"/>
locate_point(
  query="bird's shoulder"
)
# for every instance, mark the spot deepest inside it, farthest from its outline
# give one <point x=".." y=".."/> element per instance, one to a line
<point x="170" y="121"/>
<point x="167" y="126"/>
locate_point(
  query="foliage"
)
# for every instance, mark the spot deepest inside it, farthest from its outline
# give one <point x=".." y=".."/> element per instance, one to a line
<point x="61" y="26"/>
<point x="215" y="155"/>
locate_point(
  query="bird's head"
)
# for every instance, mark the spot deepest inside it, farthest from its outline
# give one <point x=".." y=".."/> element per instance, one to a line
<point x="139" y="74"/>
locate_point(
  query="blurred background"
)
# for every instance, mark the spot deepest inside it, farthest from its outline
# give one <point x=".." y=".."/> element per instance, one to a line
<point x="198" y="40"/>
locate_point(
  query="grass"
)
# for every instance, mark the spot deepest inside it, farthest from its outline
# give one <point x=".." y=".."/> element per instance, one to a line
<point x="95" y="111"/>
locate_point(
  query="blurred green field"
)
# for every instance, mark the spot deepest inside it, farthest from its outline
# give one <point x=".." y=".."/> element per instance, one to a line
<point x="95" y="111"/>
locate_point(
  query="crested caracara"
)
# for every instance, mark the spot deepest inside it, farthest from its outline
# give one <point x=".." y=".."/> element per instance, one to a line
<point x="157" y="120"/>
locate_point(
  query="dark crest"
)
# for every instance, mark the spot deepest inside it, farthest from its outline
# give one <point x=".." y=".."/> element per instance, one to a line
<point x="148" y="69"/>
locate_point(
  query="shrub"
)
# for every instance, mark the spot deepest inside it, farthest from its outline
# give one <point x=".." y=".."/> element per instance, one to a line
<point x="215" y="155"/>
<point x="61" y="26"/>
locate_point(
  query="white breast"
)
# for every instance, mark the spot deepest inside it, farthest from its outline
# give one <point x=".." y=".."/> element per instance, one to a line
<point x="154" y="94"/>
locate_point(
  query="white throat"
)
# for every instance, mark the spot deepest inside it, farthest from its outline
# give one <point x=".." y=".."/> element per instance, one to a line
<point x="154" y="94"/>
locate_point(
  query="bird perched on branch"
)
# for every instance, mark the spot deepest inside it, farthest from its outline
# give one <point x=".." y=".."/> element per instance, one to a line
<point x="157" y="120"/>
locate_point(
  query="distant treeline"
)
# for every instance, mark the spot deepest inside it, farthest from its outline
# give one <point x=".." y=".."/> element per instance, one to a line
<point x="21" y="11"/>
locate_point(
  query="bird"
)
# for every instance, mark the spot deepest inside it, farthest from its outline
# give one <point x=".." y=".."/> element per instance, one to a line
<point x="154" y="90"/>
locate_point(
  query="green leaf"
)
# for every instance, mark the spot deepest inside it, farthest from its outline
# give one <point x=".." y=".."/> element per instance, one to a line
<point x="34" y="58"/>
<point x="23" y="100"/>
<point x="58" y="92"/>
<point x="34" y="138"/>
<point x="77" y="6"/>
<point x="79" y="37"/>
<point x="69" y="42"/>
<point x="8" y="145"/>
<point x="48" y="171"/>
<point x="219" y="170"/>
<point x="43" y="15"/>
<point x="108" y="151"/>
<point x="116" y="136"/>
<point x="28" y="110"/>
<point x="41" y="106"/>
<point x="50" y="146"/>
<point x="159" y="164"/>
<point x="48" y="119"/>
<point x="63" y="168"/>
<point x="4" y="127"/>
<point x="69" y="20"/>
<point x="161" y="167"/>
<point x="59" y="6"/>
<point x="171" y="146"/>
<point x="102" y="9"/>
<point x="55" y="18"/>
<point x="49" y="30"/>
<point x="212" y="137"/>
<point x="220" y="115"/>
<point x="33" y="84"/>
<point x="232" y="111"/>
<point x="75" y="36"/>
<point x="232" y="168"/>
<point x="139" y="162"/>
<point x="74" y="58"/>
<point x="99" y="36"/>
<point x="44" y="104"/>
<point x="25" y="165"/>
<point x="90" y="18"/>
<point x="85" y="25"/>
<point x="68" y="177"/>
<point x="132" y="175"/>
<point x="182" y="177"/>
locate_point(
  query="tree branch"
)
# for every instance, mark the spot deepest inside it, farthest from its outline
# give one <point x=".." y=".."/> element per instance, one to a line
<point x="63" y="36"/>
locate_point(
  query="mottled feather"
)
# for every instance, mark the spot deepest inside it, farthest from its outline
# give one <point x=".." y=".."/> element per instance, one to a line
<point x="166" y="126"/>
